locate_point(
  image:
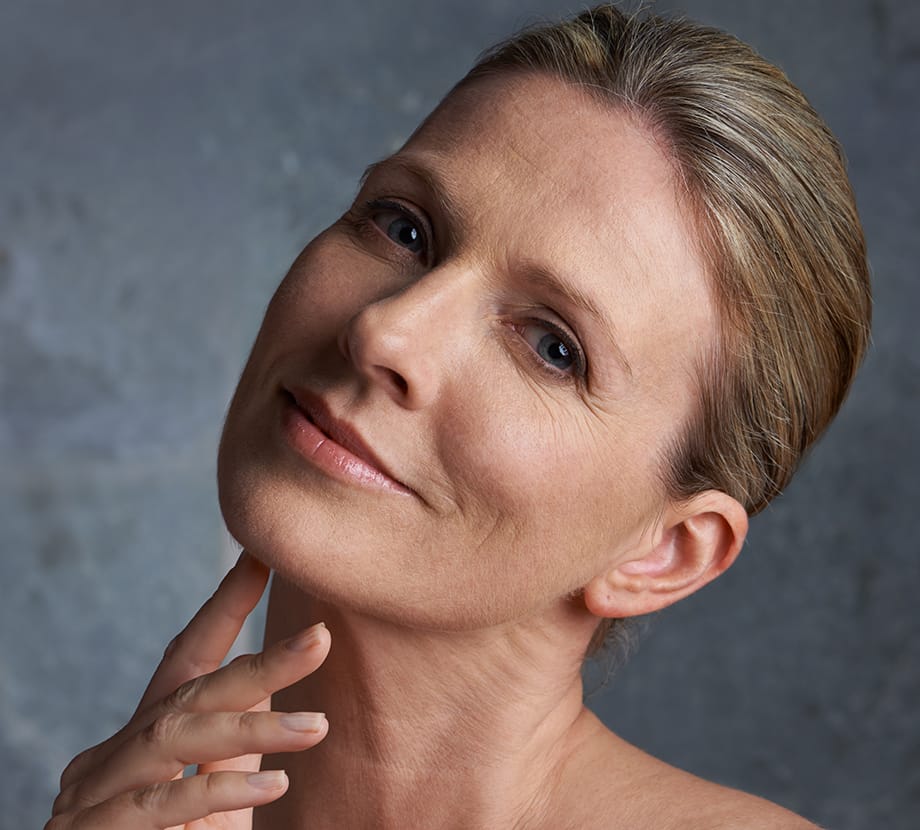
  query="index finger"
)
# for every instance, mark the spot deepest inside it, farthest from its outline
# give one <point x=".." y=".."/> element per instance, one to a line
<point x="203" y="644"/>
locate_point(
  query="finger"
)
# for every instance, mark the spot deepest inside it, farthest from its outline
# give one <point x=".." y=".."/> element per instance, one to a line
<point x="200" y="647"/>
<point x="242" y="763"/>
<point x="251" y="678"/>
<point x="178" y="802"/>
<point x="203" y="644"/>
<point x="172" y="742"/>
<point x="237" y="687"/>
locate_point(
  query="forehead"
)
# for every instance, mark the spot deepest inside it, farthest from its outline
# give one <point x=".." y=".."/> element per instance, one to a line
<point x="538" y="140"/>
<point x="532" y="147"/>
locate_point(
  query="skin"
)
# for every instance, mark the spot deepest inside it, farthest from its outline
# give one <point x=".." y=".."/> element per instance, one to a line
<point x="461" y="610"/>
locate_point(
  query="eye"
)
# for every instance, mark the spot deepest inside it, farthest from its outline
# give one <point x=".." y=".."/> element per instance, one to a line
<point x="552" y="346"/>
<point x="399" y="225"/>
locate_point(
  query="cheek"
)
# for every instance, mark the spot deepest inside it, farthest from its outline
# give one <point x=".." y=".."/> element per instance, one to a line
<point x="555" y="490"/>
<point x="310" y="307"/>
<point x="312" y="298"/>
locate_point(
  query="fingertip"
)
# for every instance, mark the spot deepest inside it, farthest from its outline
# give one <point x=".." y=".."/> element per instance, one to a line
<point x="249" y="572"/>
<point x="308" y="638"/>
<point x="247" y="560"/>
<point x="275" y="780"/>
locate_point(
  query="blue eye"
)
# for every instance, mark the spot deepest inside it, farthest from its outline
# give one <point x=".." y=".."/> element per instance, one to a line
<point x="399" y="227"/>
<point x="551" y="346"/>
<point x="403" y="232"/>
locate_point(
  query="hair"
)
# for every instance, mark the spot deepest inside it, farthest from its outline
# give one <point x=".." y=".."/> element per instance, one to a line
<point x="778" y="230"/>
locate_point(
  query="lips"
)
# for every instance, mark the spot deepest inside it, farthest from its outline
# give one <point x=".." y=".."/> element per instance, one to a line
<point x="333" y="443"/>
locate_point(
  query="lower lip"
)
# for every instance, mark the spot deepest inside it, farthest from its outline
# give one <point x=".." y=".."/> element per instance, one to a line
<point x="313" y="444"/>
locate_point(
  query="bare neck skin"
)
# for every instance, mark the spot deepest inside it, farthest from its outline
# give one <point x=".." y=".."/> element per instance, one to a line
<point x="465" y="730"/>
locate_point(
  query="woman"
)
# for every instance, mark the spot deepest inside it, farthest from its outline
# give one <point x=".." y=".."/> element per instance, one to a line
<point x="534" y="381"/>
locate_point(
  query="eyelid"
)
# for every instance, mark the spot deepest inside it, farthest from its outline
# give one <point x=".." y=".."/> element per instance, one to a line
<point x="373" y="206"/>
<point x="580" y="372"/>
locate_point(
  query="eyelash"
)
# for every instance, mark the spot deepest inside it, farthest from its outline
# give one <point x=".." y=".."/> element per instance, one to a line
<point x="579" y="363"/>
<point x="375" y="206"/>
<point x="367" y="224"/>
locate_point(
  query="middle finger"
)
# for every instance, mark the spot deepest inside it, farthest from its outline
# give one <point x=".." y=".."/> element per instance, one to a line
<point x="251" y="678"/>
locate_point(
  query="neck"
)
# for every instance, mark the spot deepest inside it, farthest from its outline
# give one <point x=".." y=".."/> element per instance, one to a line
<point x="431" y="729"/>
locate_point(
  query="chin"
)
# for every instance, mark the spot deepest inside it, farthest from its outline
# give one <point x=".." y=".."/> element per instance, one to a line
<point x="318" y="542"/>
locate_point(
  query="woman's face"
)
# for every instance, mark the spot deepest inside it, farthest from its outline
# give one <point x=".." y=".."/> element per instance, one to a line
<point x="508" y="317"/>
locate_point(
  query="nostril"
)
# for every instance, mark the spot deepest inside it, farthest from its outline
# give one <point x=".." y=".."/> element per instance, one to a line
<point x="399" y="381"/>
<point x="388" y="356"/>
<point x="396" y="379"/>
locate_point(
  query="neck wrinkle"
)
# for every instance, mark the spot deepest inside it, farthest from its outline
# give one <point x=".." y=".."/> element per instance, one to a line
<point x="466" y="729"/>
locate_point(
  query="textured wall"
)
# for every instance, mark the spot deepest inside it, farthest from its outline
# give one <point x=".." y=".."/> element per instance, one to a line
<point x="161" y="164"/>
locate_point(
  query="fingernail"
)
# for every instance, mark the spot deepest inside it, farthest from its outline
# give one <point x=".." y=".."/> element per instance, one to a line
<point x="303" y="721"/>
<point x="270" y="780"/>
<point x="303" y="641"/>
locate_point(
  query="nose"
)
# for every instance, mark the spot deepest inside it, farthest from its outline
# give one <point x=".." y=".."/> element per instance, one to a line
<point x="406" y="342"/>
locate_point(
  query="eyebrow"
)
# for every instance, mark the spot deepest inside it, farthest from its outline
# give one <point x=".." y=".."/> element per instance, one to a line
<point x="432" y="183"/>
<point x="566" y="290"/>
<point x="573" y="296"/>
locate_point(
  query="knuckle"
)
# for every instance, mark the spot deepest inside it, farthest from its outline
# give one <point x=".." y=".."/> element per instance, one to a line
<point x="246" y="662"/>
<point x="72" y="770"/>
<point x="248" y="721"/>
<point x="60" y="803"/>
<point x="77" y="765"/>
<point x="162" y="730"/>
<point x="172" y="645"/>
<point x="70" y="800"/>
<point x="150" y="799"/>
<point x="214" y="787"/>
<point x="183" y="698"/>
<point x="257" y="667"/>
<point x="57" y="823"/>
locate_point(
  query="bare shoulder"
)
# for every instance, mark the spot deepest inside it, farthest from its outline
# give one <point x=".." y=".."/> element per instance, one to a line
<point x="620" y="786"/>
<point x="723" y="808"/>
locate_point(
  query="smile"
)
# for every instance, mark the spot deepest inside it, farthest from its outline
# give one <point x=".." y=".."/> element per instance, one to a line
<point x="332" y="445"/>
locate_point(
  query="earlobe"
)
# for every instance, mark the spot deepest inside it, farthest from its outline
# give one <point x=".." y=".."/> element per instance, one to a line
<point x="696" y="542"/>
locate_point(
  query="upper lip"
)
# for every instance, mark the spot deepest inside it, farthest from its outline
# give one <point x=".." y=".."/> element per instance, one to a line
<point x="339" y="430"/>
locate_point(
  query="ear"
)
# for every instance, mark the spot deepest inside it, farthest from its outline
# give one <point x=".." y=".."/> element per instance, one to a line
<point x="691" y="545"/>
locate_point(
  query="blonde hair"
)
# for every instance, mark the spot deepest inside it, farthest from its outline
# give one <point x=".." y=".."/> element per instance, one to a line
<point x="778" y="230"/>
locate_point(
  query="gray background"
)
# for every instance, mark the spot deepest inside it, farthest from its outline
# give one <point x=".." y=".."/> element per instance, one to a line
<point x="162" y="163"/>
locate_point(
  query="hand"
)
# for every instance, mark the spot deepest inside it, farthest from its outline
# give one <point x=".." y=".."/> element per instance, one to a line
<point x="194" y="712"/>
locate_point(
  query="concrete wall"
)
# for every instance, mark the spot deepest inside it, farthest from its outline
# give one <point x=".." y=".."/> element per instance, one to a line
<point x="162" y="163"/>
